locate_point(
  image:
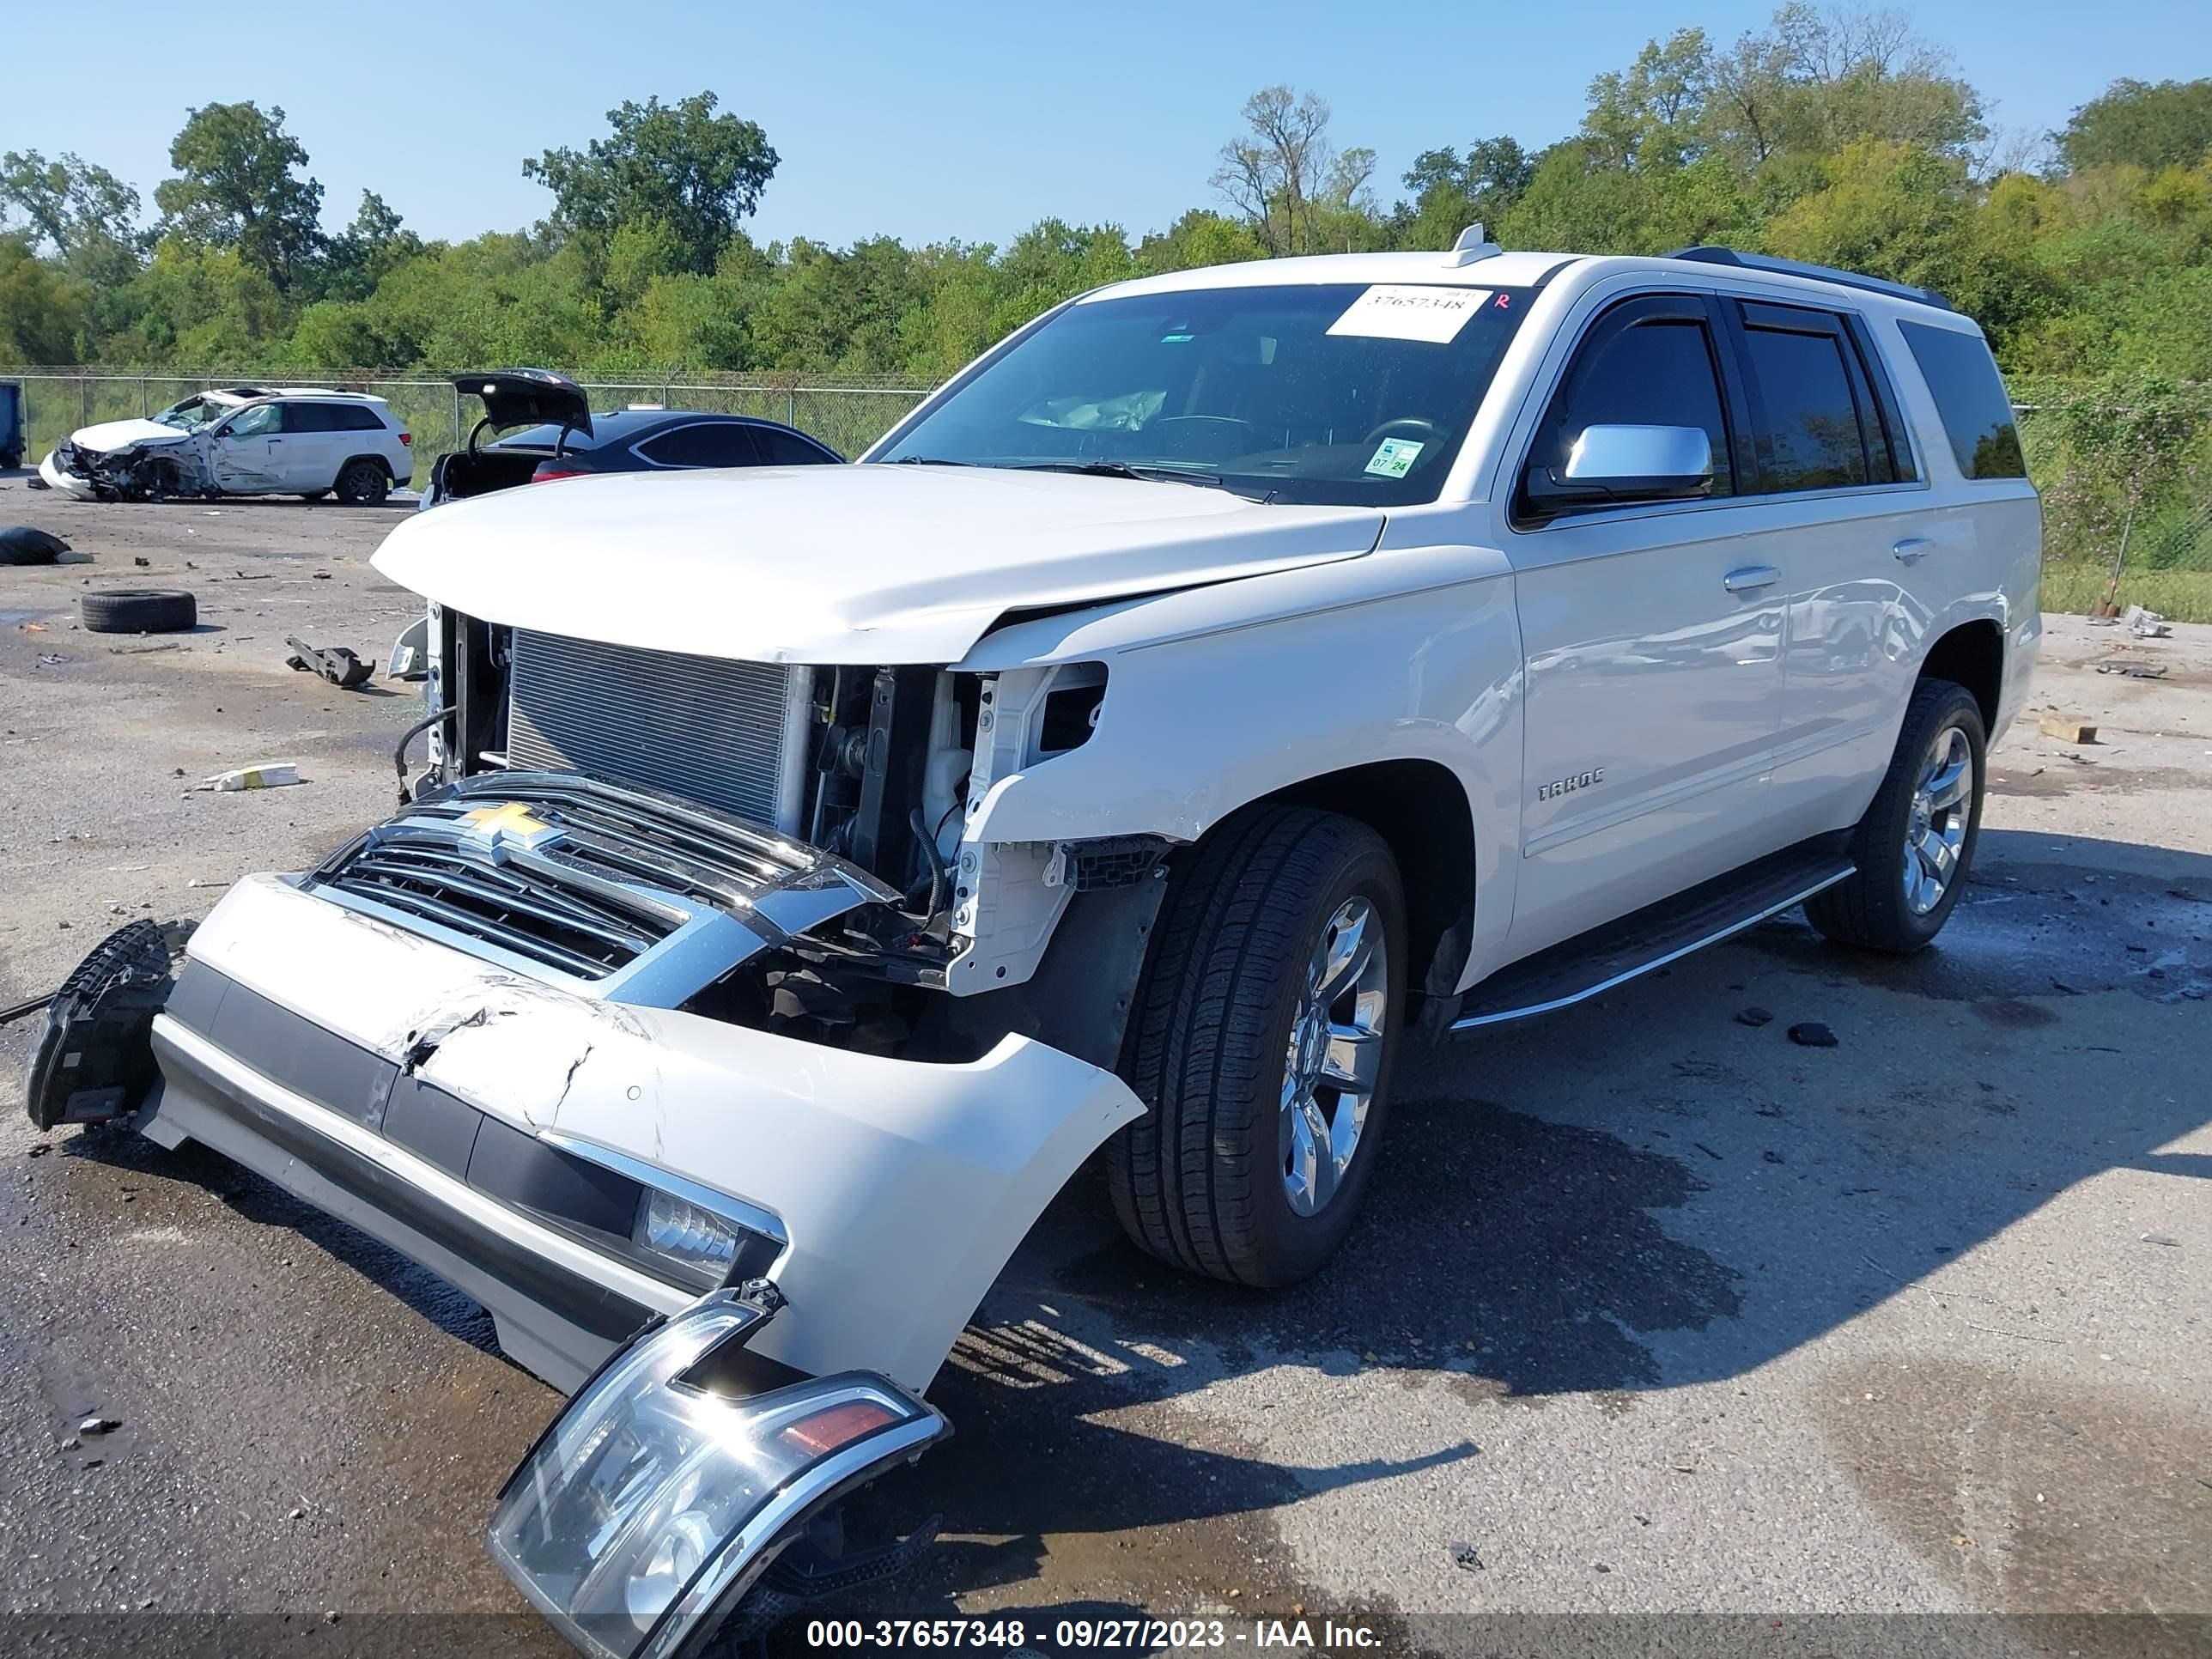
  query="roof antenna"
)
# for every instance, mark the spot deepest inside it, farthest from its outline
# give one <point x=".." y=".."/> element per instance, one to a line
<point x="1471" y="246"/>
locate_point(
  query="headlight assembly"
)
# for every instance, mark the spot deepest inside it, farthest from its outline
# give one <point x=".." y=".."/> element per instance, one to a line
<point x="653" y="1500"/>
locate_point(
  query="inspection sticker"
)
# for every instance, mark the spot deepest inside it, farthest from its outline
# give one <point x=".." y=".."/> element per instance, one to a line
<point x="1391" y="311"/>
<point x="1393" y="456"/>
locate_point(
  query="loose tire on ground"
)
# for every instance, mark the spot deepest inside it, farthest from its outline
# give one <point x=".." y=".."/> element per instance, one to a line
<point x="363" y="484"/>
<point x="139" y="610"/>
<point x="1885" y="906"/>
<point x="1200" y="1180"/>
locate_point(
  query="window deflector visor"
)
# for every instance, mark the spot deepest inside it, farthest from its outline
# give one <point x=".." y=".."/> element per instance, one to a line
<point x="651" y="1501"/>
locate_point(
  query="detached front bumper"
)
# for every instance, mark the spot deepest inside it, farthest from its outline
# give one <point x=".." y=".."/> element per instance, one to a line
<point x="498" y="1132"/>
<point x="59" y="478"/>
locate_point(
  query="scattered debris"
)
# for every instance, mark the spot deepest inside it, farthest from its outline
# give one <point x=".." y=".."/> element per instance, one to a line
<point x="99" y="1426"/>
<point x="1753" y="1017"/>
<point x="139" y="610"/>
<point x="24" y="544"/>
<point x="42" y="1148"/>
<point x="142" y="561"/>
<point x="2146" y="624"/>
<point x="2132" y="670"/>
<point x="1464" y="1557"/>
<point x="2161" y="1239"/>
<point x="72" y="1443"/>
<point x="337" y="663"/>
<point x="1708" y="1151"/>
<point x="270" y="775"/>
<point x="1811" y="1034"/>
<point x="2067" y="728"/>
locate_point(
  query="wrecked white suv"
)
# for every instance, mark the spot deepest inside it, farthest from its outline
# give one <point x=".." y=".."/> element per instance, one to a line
<point x="240" y="440"/>
<point x="1230" y="677"/>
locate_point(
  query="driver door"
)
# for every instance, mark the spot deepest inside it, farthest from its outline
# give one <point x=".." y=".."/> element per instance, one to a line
<point x="1651" y="632"/>
<point x="249" y="450"/>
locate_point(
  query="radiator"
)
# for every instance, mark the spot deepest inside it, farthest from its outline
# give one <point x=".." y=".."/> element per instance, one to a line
<point x="732" y="735"/>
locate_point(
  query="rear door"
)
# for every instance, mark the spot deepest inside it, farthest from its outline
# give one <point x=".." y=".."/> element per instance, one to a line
<point x="1842" y="506"/>
<point x="1652" y="635"/>
<point x="311" y="446"/>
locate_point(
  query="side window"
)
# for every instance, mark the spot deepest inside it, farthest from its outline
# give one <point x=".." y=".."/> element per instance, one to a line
<point x="309" y="417"/>
<point x="1637" y="369"/>
<point x="1801" y="366"/>
<point x="1962" y="378"/>
<point x="703" y="443"/>
<point x="259" y="421"/>
<point x="787" y="449"/>
<point x="352" y="418"/>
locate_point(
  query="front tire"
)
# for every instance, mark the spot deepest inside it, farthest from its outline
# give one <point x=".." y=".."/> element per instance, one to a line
<point x="1262" y="1043"/>
<point x="1915" y="844"/>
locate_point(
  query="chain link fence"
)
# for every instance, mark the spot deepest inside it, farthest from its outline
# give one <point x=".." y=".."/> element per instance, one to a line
<point x="847" y="415"/>
<point x="2127" y="486"/>
<point x="2126" y="480"/>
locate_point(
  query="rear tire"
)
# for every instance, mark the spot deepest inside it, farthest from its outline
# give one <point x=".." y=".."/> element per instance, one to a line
<point x="1915" y="847"/>
<point x="1250" y="1164"/>
<point x="362" y="483"/>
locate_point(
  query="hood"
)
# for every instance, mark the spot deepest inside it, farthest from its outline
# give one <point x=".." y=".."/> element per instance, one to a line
<point x="839" y="564"/>
<point x="528" y="397"/>
<point x="121" y="435"/>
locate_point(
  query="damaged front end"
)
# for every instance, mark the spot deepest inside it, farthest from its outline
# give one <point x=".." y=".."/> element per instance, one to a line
<point x="135" y="472"/>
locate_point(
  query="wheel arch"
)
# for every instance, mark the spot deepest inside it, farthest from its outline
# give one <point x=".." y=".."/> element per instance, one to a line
<point x="1971" y="654"/>
<point x="1420" y="808"/>
<point x="370" y="456"/>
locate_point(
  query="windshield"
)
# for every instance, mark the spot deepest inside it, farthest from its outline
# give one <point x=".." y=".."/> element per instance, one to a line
<point x="1351" y="393"/>
<point x="192" y="414"/>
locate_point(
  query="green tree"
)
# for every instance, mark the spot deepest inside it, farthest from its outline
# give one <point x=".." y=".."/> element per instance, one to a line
<point x="1452" y="192"/>
<point x="70" y="204"/>
<point x="2136" y="123"/>
<point x="237" y="187"/>
<point x="42" y="310"/>
<point x="697" y="173"/>
<point x="1285" y="177"/>
<point x="365" y="251"/>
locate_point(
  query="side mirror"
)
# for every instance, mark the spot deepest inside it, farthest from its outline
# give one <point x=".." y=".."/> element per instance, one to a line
<point x="409" y="659"/>
<point x="1610" y="464"/>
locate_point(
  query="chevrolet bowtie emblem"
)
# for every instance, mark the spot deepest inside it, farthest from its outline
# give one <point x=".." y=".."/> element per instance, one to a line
<point x="512" y="823"/>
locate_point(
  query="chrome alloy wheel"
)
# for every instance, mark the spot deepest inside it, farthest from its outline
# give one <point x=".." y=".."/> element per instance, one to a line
<point x="1335" y="1054"/>
<point x="1935" y="828"/>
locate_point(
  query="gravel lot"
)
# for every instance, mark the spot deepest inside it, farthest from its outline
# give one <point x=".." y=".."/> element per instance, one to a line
<point x="1654" y="1312"/>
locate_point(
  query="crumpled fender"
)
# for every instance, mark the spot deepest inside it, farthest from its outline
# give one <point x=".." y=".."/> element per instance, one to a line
<point x="903" y="1187"/>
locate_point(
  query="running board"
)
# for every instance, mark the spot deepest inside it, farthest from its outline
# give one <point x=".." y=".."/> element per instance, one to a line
<point x="1578" y="968"/>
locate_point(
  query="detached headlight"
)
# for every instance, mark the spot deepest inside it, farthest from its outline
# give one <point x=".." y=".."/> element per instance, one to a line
<point x="648" y="1500"/>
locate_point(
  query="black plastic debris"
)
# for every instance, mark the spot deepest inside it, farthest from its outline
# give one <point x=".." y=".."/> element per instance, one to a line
<point x="337" y="663"/>
<point x="1753" y="1017"/>
<point x="24" y="544"/>
<point x="1811" y="1034"/>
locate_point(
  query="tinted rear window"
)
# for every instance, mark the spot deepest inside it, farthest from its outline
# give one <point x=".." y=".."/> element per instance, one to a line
<point x="1811" y="416"/>
<point x="1977" y="417"/>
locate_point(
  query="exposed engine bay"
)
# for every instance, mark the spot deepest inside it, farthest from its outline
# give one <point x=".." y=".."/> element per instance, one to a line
<point x="779" y="847"/>
<point x="138" y="472"/>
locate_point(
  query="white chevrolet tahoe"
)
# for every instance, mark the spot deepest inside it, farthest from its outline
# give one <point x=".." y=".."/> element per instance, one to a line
<point x="1231" y="678"/>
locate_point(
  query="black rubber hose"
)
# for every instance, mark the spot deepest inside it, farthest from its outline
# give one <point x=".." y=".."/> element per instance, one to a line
<point x="9" y="1015"/>
<point x="399" y="755"/>
<point x="940" y="878"/>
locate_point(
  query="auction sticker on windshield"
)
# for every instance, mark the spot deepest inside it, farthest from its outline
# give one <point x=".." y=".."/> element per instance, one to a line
<point x="1391" y="311"/>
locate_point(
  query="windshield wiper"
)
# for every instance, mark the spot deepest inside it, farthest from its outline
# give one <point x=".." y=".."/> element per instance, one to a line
<point x="928" y="460"/>
<point x="1147" y="474"/>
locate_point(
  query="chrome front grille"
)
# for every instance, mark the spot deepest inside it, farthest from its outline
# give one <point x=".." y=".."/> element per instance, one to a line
<point x="731" y="735"/>
<point x="625" y="894"/>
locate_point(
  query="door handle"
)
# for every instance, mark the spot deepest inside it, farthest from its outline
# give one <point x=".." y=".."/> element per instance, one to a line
<point x="1751" y="578"/>
<point x="1911" y="548"/>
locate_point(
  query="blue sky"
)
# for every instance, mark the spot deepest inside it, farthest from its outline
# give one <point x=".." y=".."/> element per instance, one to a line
<point x="969" y="121"/>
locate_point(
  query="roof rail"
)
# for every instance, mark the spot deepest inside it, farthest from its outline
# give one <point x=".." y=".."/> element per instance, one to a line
<point x="1729" y="256"/>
